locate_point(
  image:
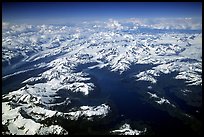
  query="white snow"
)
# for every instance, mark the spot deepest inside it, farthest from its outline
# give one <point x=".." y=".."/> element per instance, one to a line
<point x="84" y="88"/>
<point x="152" y="95"/>
<point x="163" y="100"/>
<point x="104" y="43"/>
<point x="160" y="100"/>
<point x="18" y="125"/>
<point x="186" y="91"/>
<point x="89" y="112"/>
<point x="126" y="130"/>
<point x="145" y="77"/>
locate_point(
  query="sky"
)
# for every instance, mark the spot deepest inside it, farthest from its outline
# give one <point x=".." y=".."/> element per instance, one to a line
<point x="59" y="12"/>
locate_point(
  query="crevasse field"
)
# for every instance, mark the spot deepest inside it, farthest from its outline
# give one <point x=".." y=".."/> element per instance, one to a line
<point x="112" y="77"/>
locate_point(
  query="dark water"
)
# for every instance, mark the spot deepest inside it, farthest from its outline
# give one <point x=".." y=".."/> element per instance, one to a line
<point x="14" y="82"/>
<point x="130" y="103"/>
<point x="128" y="100"/>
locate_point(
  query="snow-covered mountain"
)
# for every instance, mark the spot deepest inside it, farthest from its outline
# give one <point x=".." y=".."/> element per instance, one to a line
<point x="59" y="51"/>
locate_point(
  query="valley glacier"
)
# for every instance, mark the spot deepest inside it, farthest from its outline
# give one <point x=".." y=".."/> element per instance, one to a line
<point x="49" y="79"/>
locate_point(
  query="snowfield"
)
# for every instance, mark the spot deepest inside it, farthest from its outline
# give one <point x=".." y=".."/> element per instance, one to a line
<point x="60" y="50"/>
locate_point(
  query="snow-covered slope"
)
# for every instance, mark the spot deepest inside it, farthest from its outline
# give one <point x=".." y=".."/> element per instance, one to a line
<point x="60" y="50"/>
<point x="127" y="130"/>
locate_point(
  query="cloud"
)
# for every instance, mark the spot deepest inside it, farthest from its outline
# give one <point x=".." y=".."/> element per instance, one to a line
<point x="168" y="23"/>
<point x="5" y="25"/>
<point x="152" y="23"/>
<point x="113" y="24"/>
<point x="17" y="28"/>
